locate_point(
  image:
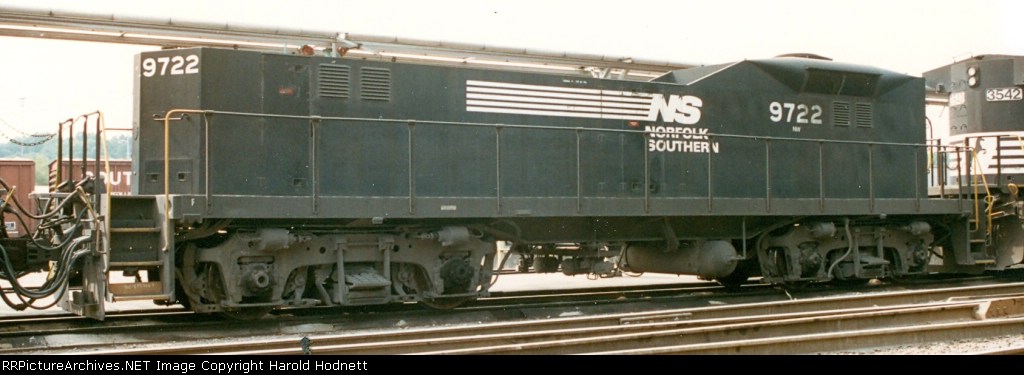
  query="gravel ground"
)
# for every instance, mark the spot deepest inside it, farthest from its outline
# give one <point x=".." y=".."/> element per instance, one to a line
<point x="964" y="346"/>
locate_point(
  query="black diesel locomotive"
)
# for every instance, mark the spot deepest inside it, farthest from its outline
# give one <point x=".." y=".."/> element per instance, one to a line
<point x="269" y="180"/>
<point x="983" y="108"/>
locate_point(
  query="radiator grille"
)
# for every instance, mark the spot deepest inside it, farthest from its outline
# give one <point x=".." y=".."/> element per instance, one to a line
<point x="333" y="81"/>
<point x="375" y="84"/>
<point x="841" y="113"/>
<point x="863" y="114"/>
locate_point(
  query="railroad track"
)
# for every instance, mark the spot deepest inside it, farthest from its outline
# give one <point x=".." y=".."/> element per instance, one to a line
<point x="853" y="330"/>
<point x="56" y="331"/>
<point x="779" y="327"/>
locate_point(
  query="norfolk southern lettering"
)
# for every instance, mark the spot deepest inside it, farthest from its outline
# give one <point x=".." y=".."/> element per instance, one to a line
<point x="680" y="109"/>
<point x="679" y="139"/>
<point x="538" y="100"/>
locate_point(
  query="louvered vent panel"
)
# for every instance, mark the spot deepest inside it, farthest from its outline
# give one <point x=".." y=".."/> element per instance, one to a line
<point x="375" y="84"/>
<point x="334" y="81"/>
<point x="841" y="113"/>
<point x="863" y="113"/>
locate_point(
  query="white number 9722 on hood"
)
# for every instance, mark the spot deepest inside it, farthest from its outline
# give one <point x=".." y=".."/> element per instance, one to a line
<point x="170" y="65"/>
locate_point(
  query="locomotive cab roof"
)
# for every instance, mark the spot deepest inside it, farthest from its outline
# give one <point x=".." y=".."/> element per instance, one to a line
<point x="804" y="75"/>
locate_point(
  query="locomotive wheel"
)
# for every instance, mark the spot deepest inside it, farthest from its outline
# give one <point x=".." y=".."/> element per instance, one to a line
<point x="208" y="287"/>
<point x="545" y="264"/>
<point x="444" y="303"/>
<point x="179" y="292"/>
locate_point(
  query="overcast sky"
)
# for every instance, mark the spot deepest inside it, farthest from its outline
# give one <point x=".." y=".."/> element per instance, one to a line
<point x="45" y="81"/>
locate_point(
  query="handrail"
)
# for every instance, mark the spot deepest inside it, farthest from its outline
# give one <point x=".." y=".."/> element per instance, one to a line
<point x="101" y="138"/>
<point x="499" y="127"/>
<point x="167" y="168"/>
<point x="548" y="127"/>
<point x="70" y="123"/>
<point x="989" y="199"/>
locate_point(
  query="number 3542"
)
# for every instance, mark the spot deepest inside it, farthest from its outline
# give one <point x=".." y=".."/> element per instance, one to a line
<point x="170" y="65"/>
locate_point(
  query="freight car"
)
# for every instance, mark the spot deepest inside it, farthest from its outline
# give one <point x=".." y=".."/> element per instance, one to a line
<point x="120" y="173"/>
<point x="266" y="180"/>
<point x="19" y="173"/>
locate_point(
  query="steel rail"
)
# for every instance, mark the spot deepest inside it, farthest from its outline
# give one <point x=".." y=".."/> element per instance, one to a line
<point x="770" y="334"/>
<point x="827" y="342"/>
<point x="510" y="337"/>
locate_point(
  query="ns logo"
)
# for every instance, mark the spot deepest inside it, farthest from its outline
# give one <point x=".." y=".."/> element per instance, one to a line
<point x="681" y="109"/>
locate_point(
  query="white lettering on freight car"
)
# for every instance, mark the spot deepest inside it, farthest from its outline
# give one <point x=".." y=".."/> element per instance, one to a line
<point x="116" y="180"/>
